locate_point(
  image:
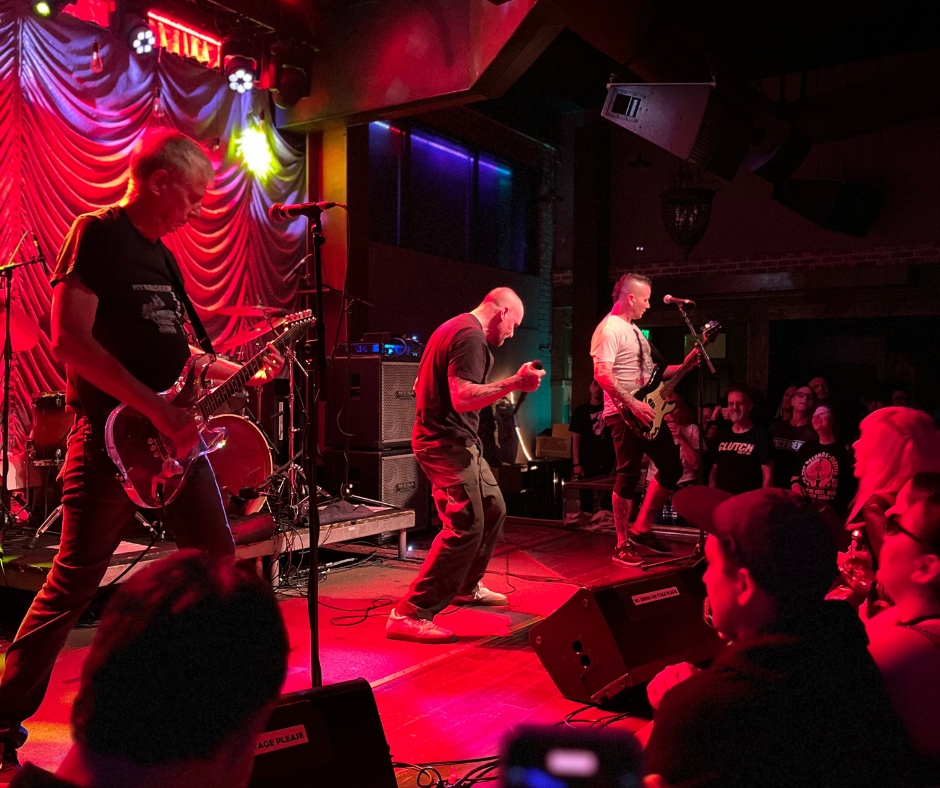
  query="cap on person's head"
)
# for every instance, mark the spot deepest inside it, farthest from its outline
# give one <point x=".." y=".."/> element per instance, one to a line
<point x="777" y="536"/>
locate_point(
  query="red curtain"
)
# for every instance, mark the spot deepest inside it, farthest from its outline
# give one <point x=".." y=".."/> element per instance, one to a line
<point x="65" y="136"/>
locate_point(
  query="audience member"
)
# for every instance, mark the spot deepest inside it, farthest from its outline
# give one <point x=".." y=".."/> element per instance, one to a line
<point x="893" y="446"/>
<point x="741" y="452"/>
<point x="901" y="399"/>
<point x="789" y="436"/>
<point x="785" y="411"/>
<point x="905" y="638"/>
<point x="592" y="446"/>
<point x="820" y="389"/>
<point x="824" y="466"/>
<point x="685" y="433"/>
<point x="182" y="675"/>
<point x="795" y="699"/>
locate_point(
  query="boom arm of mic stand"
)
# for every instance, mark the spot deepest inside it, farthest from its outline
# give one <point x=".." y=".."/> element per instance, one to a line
<point x="697" y="339"/>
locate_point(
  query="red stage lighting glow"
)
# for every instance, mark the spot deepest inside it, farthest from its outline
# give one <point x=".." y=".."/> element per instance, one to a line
<point x="181" y="39"/>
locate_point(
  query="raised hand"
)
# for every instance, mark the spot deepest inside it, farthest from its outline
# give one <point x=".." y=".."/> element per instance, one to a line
<point x="529" y="377"/>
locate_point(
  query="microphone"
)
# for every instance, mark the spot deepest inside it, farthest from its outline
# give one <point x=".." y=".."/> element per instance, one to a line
<point x="537" y="365"/>
<point x="39" y="255"/>
<point x="284" y="213"/>
<point x="668" y="299"/>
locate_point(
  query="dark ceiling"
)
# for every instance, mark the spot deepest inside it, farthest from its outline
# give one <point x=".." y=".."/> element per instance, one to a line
<point x="754" y="40"/>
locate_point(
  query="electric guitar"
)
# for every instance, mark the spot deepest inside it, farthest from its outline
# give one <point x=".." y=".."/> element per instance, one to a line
<point x="656" y="392"/>
<point x="151" y="473"/>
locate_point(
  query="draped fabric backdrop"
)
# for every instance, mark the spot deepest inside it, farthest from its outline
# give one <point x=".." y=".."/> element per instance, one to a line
<point x="65" y="137"/>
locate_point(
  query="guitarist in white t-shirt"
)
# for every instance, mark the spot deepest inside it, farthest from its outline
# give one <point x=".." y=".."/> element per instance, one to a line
<point x="623" y="361"/>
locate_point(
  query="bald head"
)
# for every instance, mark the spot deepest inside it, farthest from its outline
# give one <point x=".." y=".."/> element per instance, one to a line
<point x="504" y="297"/>
<point x="500" y="314"/>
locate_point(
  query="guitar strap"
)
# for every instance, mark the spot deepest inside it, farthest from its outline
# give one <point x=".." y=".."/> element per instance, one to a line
<point x="176" y="278"/>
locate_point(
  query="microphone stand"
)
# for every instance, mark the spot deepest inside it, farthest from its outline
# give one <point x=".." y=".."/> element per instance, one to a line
<point x="699" y="550"/>
<point x="6" y="274"/>
<point x="314" y="367"/>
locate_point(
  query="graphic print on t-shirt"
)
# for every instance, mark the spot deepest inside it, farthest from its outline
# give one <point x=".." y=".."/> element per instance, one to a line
<point x="163" y="309"/>
<point x="820" y="476"/>
<point x="597" y="422"/>
<point x="741" y="448"/>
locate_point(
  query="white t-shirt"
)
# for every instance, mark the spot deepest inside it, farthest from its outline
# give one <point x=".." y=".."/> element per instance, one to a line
<point x="620" y="343"/>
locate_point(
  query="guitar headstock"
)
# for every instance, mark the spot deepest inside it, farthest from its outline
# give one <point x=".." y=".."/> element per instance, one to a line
<point x="710" y="330"/>
<point x="298" y="319"/>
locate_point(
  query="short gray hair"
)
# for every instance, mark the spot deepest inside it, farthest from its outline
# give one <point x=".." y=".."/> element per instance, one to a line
<point x="168" y="150"/>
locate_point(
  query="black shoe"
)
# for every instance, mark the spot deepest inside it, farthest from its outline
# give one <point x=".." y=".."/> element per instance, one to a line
<point x="627" y="555"/>
<point x="650" y="541"/>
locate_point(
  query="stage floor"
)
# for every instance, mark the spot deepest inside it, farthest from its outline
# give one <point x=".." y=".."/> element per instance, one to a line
<point x="437" y="702"/>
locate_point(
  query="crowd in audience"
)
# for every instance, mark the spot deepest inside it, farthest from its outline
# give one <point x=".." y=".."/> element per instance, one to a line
<point x="812" y="690"/>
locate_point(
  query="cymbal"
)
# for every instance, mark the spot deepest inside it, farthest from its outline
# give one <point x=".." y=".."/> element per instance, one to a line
<point x="24" y="333"/>
<point x="251" y="311"/>
<point x="250" y="334"/>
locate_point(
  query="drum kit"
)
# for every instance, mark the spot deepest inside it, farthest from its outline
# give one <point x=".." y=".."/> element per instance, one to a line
<point x="244" y="466"/>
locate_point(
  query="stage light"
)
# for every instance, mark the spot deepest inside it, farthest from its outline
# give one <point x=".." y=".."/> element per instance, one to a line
<point x="48" y="8"/>
<point x="96" y="65"/>
<point x="141" y="39"/>
<point x="255" y="151"/>
<point x="241" y="73"/>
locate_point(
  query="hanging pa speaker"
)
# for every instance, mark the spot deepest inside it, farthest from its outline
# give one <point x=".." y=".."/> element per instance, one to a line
<point x="607" y="639"/>
<point x="328" y="737"/>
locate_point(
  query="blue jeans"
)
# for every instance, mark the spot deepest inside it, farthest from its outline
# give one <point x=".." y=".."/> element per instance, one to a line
<point x="95" y="513"/>
<point x="472" y="509"/>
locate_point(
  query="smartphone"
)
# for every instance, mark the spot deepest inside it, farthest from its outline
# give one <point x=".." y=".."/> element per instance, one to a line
<point x="563" y="757"/>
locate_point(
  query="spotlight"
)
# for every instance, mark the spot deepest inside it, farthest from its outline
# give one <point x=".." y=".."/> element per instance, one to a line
<point x="255" y="150"/>
<point x="47" y="8"/>
<point x="141" y="39"/>
<point x="241" y="73"/>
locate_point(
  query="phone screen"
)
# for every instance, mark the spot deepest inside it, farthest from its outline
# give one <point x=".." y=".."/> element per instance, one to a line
<point x="552" y="757"/>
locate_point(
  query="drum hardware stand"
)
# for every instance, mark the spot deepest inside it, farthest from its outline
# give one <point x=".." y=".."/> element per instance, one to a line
<point x="698" y="552"/>
<point x="6" y="273"/>
<point x="155" y="527"/>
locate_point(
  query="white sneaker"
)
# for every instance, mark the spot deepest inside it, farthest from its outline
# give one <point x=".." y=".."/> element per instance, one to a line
<point x="482" y="596"/>
<point x="417" y="630"/>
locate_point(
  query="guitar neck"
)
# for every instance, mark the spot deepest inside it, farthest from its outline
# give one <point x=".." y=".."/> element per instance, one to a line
<point x="687" y="365"/>
<point x="216" y="398"/>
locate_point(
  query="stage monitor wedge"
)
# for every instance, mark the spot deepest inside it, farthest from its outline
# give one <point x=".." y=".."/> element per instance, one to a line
<point x="606" y="639"/>
<point x="700" y="122"/>
<point x="328" y="737"/>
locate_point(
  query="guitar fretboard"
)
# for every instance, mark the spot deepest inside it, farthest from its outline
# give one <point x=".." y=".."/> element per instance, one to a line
<point x="215" y="399"/>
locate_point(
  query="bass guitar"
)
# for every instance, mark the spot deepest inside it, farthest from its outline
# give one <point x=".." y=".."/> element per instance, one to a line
<point x="657" y="393"/>
<point x="151" y="473"/>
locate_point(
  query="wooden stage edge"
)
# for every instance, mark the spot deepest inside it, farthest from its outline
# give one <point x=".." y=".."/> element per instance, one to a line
<point x="25" y="568"/>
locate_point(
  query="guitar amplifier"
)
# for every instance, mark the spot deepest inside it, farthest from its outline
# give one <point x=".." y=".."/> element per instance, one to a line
<point x="392" y="477"/>
<point x="373" y="400"/>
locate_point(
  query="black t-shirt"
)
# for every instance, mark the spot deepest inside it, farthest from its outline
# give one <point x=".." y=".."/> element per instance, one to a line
<point x="596" y="446"/>
<point x="787" y="442"/>
<point x="739" y="457"/>
<point x="139" y="319"/>
<point x="458" y="349"/>
<point x="802" y="704"/>
<point x="825" y="473"/>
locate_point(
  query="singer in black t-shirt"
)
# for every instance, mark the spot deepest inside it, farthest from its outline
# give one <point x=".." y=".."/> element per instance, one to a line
<point x="118" y="312"/>
<point x="450" y="391"/>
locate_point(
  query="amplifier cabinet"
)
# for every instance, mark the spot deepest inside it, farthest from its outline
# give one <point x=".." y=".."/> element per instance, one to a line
<point x="373" y="400"/>
<point x="393" y="477"/>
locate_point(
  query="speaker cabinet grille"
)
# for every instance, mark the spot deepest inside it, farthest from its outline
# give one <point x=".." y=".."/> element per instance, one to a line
<point x="398" y="402"/>
<point x="394" y="478"/>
